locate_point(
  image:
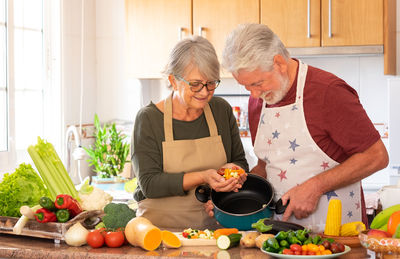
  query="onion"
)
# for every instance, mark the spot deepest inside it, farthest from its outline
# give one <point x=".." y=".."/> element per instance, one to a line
<point x="76" y="235"/>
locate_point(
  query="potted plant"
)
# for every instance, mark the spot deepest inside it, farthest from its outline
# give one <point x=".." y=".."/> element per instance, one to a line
<point x="110" y="150"/>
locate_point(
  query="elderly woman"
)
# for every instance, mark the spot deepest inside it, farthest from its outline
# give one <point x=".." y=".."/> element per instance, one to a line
<point x="181" y="142"/>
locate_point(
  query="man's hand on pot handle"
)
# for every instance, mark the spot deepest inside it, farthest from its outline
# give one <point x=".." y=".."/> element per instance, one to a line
<point x="303" y="201"/>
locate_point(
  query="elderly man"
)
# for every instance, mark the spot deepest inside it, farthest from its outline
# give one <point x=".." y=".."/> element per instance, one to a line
<point x="313" y="139"/>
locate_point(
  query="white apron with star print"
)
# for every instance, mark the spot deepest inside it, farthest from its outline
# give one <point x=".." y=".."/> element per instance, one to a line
<point x="291" y="155"/>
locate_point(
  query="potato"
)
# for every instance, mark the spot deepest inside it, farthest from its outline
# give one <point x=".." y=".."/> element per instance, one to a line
<point x="262" y="238"/>
<point x="249" y="239"/>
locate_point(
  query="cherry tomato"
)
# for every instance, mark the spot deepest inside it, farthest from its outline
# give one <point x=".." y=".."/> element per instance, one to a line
<point x="297" y="252"/>
<point x="102" y="231"/>
<point x="287" y="252"/>
<point x="115" y="239"/>
<point x="95" y="239"/>
<point x="295" y="247"/>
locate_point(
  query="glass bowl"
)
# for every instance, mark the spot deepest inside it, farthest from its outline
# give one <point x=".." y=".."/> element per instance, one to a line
<point x="379" y="244"/>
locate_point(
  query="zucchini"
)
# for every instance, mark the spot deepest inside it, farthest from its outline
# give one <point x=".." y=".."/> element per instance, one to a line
<point x="225" y="242"/>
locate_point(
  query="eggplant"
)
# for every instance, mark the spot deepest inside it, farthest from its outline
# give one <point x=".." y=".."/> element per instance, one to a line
<point x="278" y="225"/>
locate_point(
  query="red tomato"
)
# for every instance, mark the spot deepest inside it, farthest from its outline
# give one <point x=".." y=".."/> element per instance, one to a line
<point x="287" y="252"/>
<point x="311" y="253"/>
<point x="95" y="239"/>
<point x="295" y="247"/>
<point x="393" y="222"/>
<point x="115" y="239"/>
<point x="297" y="252"/>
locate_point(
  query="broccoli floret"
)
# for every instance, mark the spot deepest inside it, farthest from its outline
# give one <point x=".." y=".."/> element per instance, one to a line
<point x="117" y="215"/>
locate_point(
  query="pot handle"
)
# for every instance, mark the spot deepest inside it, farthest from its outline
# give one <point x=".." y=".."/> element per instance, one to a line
<point x="278" y="207"/>
<point x="202" y="193"/>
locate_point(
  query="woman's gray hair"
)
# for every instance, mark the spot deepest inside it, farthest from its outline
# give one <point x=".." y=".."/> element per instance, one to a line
<point x="252" y="46"/>
<point x="191" y="52"/>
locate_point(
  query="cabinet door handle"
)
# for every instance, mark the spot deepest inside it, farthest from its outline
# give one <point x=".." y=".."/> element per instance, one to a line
<point x="201" y="31"/>
<point x="180" y="30"/>
<point x="308" y="19"/>
<point x="330" y="19"/>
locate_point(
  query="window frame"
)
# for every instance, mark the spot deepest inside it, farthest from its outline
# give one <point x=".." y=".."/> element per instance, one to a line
<point x="51" y="75"/>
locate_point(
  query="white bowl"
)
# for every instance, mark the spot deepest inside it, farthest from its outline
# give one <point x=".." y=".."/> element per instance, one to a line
<point x="389" y="196"/>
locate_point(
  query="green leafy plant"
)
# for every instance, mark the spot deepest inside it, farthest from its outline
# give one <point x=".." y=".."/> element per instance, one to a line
<point x="109" y="153"/>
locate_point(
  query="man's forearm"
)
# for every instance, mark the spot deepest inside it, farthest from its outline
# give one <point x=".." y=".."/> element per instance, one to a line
<point x="354" y="169"/>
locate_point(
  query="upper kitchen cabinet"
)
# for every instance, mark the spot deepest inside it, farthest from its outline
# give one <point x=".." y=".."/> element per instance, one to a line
<point x="214" y="20"/>
<point x="296" y="22"/>
<point x="153" y="28"/>
<point x="352" y="22"/>
<point x="315" y="23"/>
<point x="336" y="26"/>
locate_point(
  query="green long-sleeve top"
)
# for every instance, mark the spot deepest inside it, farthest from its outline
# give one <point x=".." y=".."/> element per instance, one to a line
<point x="147" y="153"/>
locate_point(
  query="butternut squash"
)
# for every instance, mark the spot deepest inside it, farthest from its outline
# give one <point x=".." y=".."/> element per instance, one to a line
<point x="141" y="232"/>
<point x="170" y="240"/>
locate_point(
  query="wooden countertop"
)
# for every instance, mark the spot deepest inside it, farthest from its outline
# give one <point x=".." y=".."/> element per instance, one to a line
<point x="27" y="247"/>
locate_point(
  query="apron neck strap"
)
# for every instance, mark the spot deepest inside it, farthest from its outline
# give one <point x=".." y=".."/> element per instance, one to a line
<point x="210" y="121"/>
<point x="301" y="79"/>
<point x="169" y="135"/>
<point x="168" y="132"/>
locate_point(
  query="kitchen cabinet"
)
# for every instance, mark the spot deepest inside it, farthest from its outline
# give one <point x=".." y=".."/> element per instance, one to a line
<point x="296" y="22"/>
<point x="334" y="23"/>
<point x="314" y="23"/>
<point x="154" y="27"/>
<point x="306" y="27"/>
<point x="216" y="19"/>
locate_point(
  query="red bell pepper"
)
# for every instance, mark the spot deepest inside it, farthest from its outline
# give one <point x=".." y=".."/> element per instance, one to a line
<point x="65" y="201"/>
<point x="44" y="215"/>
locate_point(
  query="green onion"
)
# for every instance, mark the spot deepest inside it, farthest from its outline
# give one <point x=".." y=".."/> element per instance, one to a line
<point x="51" y="169"/>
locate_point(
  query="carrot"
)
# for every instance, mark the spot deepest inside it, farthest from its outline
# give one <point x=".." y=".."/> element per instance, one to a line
<point x="225" y="231"/>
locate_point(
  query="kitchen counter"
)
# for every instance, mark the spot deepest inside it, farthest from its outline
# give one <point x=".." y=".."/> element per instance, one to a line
<point x="27" y="247"/>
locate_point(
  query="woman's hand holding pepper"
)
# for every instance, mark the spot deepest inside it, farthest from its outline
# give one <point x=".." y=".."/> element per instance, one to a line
<point x="219" y="183"/>
<point x="242" y="177"/>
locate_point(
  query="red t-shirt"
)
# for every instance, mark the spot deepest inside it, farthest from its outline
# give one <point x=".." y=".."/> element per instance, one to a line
<point x="334" y="115"/>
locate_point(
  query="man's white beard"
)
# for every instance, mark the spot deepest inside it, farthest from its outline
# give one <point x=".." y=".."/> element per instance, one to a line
<point x="277" y="95"/>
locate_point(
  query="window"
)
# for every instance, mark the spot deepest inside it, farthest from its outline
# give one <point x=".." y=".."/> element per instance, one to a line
<point x="29" y="77"/>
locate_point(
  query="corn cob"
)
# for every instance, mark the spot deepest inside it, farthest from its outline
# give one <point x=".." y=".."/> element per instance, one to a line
<point x="352" y="228"/>
<point x="333" y="218"/>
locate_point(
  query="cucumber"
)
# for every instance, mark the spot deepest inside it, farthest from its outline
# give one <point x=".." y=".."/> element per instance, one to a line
<point x="225" y="242"/>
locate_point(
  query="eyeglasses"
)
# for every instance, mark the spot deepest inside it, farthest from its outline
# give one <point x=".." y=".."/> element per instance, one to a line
<point x="197" y="86"/>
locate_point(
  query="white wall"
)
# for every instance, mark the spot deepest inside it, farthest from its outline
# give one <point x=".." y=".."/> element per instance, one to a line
<point x="71" y="60"/>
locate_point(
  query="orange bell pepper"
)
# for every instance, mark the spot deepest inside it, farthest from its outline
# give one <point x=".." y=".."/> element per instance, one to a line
<point x="393" y="222"/>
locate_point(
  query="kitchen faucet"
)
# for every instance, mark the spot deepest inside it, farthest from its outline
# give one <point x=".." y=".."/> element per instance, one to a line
<point x="78" y="154"/>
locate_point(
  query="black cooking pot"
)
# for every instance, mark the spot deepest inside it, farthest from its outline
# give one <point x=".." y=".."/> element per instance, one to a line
<point x="239" y="210"/>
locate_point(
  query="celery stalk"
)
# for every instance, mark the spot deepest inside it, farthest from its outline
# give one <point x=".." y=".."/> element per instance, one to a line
<point x="63" y="173"/>
<point x="52" y="169"/>
<point x="41" y="167"/>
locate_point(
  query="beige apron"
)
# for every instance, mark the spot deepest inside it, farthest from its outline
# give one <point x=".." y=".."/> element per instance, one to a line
<point x="180" y="212"/>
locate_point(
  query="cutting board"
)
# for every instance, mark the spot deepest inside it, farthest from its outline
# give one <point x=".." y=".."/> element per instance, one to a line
<point x="195" y="242"/>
